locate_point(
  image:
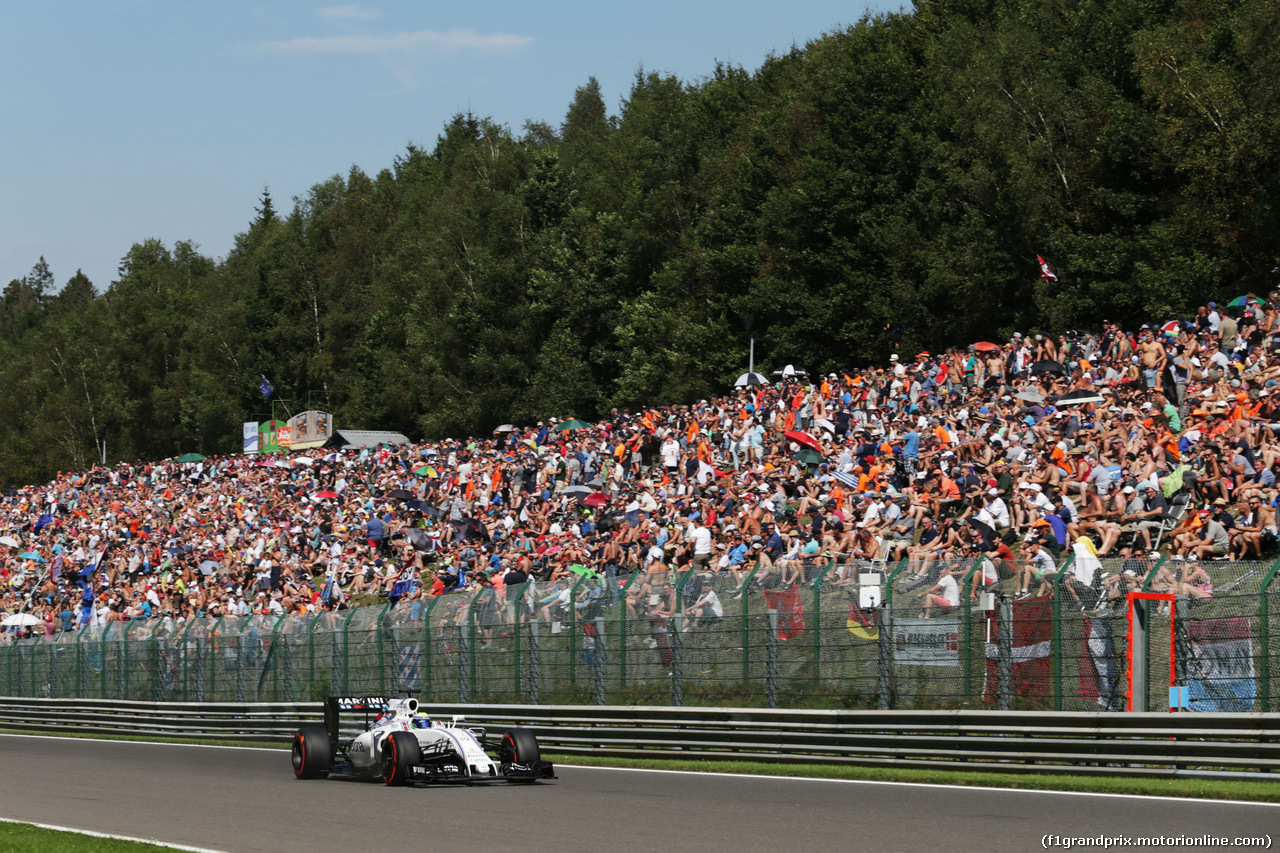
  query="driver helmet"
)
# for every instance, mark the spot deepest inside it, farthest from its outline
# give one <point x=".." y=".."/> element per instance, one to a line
<point x="421" y="721"/>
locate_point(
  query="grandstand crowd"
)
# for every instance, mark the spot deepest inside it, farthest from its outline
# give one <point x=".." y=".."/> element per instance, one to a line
<point x="1124" y="442"/>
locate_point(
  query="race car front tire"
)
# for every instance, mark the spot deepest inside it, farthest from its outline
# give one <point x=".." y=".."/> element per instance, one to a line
<point x="400" y="751"/>
<point x="519" y="746"/>
<point x="312" y="752"/>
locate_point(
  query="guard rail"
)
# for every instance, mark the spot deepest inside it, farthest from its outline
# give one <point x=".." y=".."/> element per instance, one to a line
<point x="1136" y="744"/>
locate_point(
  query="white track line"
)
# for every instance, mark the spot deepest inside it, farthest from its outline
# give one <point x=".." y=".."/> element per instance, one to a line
<point x="745" y="775"/>
<point x="93" y="834"/>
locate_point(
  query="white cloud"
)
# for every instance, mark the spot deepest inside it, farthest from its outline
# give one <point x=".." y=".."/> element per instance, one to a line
<point x="422" y="41"/>
<point x="351" y="12"/>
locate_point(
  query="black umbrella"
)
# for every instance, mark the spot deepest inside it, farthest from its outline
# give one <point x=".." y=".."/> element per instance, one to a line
<point x="423" y="507"/>
<point x="1048" y="365"/>
<point x="472" y="528"/>
<point x="986" y="531"/>
<point x="400" y="495"/>
<point x="420" y="540"/>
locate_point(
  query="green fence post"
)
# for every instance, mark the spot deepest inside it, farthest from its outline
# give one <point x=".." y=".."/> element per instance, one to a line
<point x="426" y="646"/>
<point x="817" y="615"/>
<point x="573" y="629"/>
<point x="214" y="634"/>
<point x="277" y="659"/>
<point x="622" y="630"/>
<point x="180" y="640"/>
<point x="379" y="630"/>
<point x="82" y="685"/>
<point x="1146" y="581"/>
<point x="346" y="651"/>
<point x="1146" y="635"/>
<point x="1055" y="640"/>
<point x="1264" y="618"/>
<point x="744" y="591"/>
<point x="515" y="634"/>
<point x="154" y="665"/>
<point x="102" y="643"/>
<point x="471" y="643"/>
<point x="888" y="584"/>
<point x="311" y="655"/>
<point x="968" y="618"/>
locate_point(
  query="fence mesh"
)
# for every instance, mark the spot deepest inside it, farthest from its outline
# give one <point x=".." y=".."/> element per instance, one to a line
<point x="851" y="635"/>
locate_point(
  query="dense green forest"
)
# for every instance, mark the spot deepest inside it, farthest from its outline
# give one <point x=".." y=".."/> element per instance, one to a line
<point x="886" y="185"/>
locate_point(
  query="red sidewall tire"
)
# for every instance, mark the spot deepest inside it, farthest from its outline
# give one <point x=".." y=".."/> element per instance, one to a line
<point x="312" y="753"/>
<point x="400" y="751"/>
<point x="390" y="763"/>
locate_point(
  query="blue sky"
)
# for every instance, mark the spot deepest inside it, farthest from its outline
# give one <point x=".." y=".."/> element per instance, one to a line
<point x="131" y="120"/>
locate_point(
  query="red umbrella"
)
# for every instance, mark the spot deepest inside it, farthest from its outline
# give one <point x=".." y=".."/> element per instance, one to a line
<point x="327" y="496"/>
<point x="594" y="499"/>
<point x="804" y="439"/>
<point x="986" y="346"/>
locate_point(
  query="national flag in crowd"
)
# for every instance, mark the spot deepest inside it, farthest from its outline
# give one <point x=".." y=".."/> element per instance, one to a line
<point x="408" y="671"/>
<point x="1099" y="668"/>
<point x="1045" y="272"/>
<point x="1220" y="672"/>
<point x="790" y="614"/>
<point x="265" y="387"/>
<point x="1032" y="629"/>
<point x="86" y="574"/>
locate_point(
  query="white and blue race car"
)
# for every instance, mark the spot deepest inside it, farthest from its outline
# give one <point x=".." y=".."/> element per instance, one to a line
<point x="401" y="745"/>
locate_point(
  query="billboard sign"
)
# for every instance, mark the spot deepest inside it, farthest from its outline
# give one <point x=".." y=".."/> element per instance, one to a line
<point x="310" y="429"/>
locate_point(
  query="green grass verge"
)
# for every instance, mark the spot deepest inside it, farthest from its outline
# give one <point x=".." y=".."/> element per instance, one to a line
<point x="1209" y="789"/>
<point x="25" y="838"/>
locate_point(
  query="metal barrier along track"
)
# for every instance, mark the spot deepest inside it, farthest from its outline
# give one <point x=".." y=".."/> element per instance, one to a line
<point x="1155" y="745"/>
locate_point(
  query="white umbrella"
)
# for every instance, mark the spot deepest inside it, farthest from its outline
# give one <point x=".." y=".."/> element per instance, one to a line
<point x="792" y="370"/>
<point x="10" y="541"/>
<point x="1031" y="397"/>
<point x="750" y="379"/>
<point x="304" y="460"/>
<point x="22" y="620"/>
<point x="506" y="428"/>
<point x="825" y="424"/>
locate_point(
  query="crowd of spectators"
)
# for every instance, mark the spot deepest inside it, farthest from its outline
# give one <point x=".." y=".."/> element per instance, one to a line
<point x="1161" y="436"/>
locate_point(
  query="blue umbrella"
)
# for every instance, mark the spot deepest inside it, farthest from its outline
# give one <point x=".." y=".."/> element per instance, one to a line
<point x="31" y="555"/>
<point x="848" y="479"/>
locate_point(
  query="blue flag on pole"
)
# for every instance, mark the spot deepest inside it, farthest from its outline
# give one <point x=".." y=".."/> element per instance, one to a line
<point x="265" y="387"/>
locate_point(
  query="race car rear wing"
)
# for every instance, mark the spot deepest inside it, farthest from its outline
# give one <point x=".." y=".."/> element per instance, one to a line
<point x="369" y="705"/>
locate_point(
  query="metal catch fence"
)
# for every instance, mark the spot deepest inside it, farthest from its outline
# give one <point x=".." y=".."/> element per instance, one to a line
<point x="863" y="635"/>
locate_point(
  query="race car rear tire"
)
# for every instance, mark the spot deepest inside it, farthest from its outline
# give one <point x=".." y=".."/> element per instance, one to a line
<point x="519" y="746"/>
<point x="312" y="752"/>
<point x="400" y="751"/>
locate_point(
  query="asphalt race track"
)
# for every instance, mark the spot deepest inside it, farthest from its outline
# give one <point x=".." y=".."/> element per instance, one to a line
<point x="247" y="800"/>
